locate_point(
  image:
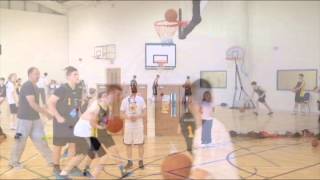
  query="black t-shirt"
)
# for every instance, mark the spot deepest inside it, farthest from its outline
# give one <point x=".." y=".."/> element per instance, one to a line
<point x="69" y="102"/>
<point x="25" y="111"/>
<point x="3" y="91"/>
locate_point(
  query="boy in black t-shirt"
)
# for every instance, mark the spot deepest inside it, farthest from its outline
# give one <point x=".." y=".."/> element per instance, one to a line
<point x="65" y="105"/>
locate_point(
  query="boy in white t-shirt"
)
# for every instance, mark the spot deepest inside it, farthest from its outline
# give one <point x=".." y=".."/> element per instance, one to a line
<point x="12" y="99"/>
<point x="133" y="110"/>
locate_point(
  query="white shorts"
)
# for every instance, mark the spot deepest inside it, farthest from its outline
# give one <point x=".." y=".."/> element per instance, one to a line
<point x="82" y="128"/>
<point x="133" y="134"/>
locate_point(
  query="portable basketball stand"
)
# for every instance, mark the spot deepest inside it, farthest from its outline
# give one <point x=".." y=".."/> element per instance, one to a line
<point x="235" y="54"/>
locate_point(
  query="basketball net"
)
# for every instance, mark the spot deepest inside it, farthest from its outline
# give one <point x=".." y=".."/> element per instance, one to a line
<point x="166" y="30"/>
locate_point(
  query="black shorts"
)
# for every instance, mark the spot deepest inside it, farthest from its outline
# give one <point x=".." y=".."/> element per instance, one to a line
<point x="298" y="98"/>
<point x="13" y="108"/>
<point x="105" y="138"/>
<point x="262" y="99"/>
<point x="62" y="133"/>
<point x="154" y="91"/>
<point x="89" y="146"/>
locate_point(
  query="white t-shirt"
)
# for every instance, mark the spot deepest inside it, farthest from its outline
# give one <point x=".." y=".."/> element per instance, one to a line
<point x="207" y="109"/>
<point x="212" y="157"/>
<point x="133" y="106"/>
<point x="42" y="82"/>
<point x="10" y="90"/>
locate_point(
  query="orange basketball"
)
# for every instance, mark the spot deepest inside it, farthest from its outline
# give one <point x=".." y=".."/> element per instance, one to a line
<point x="176" y="166"/>
<point x="114" y="124"/>
<point x="171" y="15"/>
<point x="315" y="143"/>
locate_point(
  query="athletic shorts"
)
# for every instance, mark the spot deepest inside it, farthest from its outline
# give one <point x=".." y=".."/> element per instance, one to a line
<point x="133" y="135"/>
<point x="62" y="133"/>
<point x="298" y="98"/>
<point x="89" y="146"/>
<point x="13" y="108"/>
<point x="262" y="99"/>
<point x="105" y="138"/>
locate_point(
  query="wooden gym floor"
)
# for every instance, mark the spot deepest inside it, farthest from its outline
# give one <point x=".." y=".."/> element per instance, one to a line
<point x="276" y="158"/>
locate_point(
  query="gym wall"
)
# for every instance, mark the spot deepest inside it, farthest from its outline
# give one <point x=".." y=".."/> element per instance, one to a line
<point x="33" y="39"/>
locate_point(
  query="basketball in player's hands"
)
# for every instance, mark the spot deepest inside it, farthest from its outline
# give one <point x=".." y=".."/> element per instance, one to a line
<point x="176" y="166"/>
<point x="171" y="15"/>
<point x="114" y="124"/>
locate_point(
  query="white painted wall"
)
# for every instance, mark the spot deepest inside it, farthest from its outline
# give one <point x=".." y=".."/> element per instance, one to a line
<point x="203" y="50"/>
<point x="33" y="39"/>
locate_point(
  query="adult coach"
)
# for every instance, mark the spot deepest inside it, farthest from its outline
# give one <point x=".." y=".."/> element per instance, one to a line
<point x="29" y="123"/>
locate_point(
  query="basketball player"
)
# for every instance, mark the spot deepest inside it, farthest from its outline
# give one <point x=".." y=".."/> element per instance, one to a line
<point x="2" y="91"/>
<point x="134" y="83"/>
<point x="133" y="110"/>
<point x="12" y="99"/>
<point x="187" y="93"/>
<point x="261" y="97"/>
<point x="42" y="84"/>
<point x="29" y="123"/>
<point x="2" y="99"/>
<point x="86" y="144"/>
<point x="65" y="104"/>
<point x="299" y="94"/>
<point x="317" y="89"/>
<point x="206" y="152"/>
<point x="187" y="127"/>
<point x="155" y="86"/>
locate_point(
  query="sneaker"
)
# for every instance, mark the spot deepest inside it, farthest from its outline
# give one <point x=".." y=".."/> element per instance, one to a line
<point x="141" y="166"/>
<point x="76" y="172"/>
<point x="270" y="113"/>
<point x="123" y="171"/>
<point x="87" y="173"/>
<point x="129" y="165"/>
<point x="255" y="113"/>
<point x="58" y="176"/>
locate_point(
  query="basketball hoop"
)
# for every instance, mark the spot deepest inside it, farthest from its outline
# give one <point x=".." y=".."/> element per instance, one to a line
<point x="161" y="64"/>
<point x="235" y="53"/>
<point x="166" y="30"/>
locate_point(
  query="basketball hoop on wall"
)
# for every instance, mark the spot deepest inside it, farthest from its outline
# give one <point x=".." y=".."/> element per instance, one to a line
<point x="235" y="53"/>
<point x="241" y="99"/>
<point x="167" y="28"/>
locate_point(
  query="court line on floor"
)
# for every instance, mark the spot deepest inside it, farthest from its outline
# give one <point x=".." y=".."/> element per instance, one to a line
<point x="218" y="160"/>
<point x="295" y="170"/>
<point x="34" y="172"/>
<point x="253" y="173"/>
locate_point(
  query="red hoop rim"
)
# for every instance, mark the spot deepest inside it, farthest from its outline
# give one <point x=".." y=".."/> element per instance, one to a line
<point x="164" y="23"/>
